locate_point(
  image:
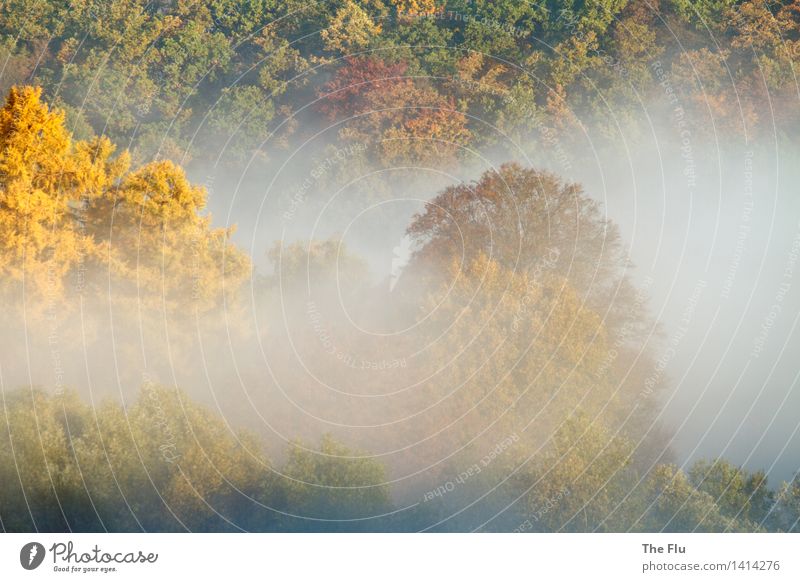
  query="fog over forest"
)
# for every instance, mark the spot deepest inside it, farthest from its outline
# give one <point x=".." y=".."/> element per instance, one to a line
<point x="715" y="249"/>
<point x="395" y="265"/>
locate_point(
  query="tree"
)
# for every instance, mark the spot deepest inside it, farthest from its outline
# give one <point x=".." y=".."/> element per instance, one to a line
<point x="334" y="488"/>
<point x="519" y="217"/>
<point x="91" y="250"/>
<point x="163" y="464"/>
<point x="411" y="123"/>
<point x="675" y="505"/>
<point x="40" y="483"/>
<point x="410" y="8"/>
<point x="156" y="238"/>
<point x="349" y="30"/>
<point x="703" y="81"/>
<point x="43" y="178"/>
<point x="166" y="463"/>
<point x="785" y="514"/>
<point x="548" y="337"/>
<point x="506" y="353"/>
<point x="739" y="494"/>
<point x="703" y="13"/>
<point x="547" y="234"/>
<point x="584" y="481"/>
<point x="71" y="205"/>
<point x="347" y="93"/>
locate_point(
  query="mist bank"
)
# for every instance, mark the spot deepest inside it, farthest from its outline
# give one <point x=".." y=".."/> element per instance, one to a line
<point x="710" y="226"/>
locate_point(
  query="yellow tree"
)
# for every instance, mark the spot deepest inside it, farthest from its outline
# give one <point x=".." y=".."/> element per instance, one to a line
<point x="415" y="7"/>
<point x="68" y="206"/>
<point x="157" y="244"/>
<point x="350" y="29"/>
<point x="39" y="182"/>
<point x="78" y="228"/>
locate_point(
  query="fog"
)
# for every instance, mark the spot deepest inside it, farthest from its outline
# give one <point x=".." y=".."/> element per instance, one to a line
<point x="711" y="229"/>
<point x="710" y="226"/>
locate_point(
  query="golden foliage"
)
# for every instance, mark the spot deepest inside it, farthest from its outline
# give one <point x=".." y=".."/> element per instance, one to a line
<point x="415" y="7"/>
<point x="350" y="29"/>
<point x="39" y="180"/>
<point x="71" y="209"/>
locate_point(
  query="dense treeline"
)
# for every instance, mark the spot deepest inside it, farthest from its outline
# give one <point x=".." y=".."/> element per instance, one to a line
<point x="525" y="412"/>
<point x="163" y="463"/>
<point x="179" y="78"/>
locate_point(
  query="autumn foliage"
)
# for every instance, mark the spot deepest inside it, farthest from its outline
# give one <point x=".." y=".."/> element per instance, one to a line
<point x="517" y="286"/>
<point x="72" y="213"/>
<point x="378" y="104"/>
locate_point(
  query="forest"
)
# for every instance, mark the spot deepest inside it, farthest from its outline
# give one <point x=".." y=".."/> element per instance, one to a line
<point x="171" y="77"/>
<point x="161" y="372"/>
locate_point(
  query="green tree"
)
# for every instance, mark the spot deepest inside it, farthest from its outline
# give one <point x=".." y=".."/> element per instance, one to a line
<point x="584" y="481"/>
<point x="165" y="463"/>
<point x="675" y="505"/>
<point x="739" y="494"/>
<point x="703" y="13"/>
<point x="334" y="488"/>
<point x="785" y="514"/>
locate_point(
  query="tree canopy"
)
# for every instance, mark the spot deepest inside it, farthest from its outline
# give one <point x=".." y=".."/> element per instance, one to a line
<point x="180" y="80"/>
<point x="74" y="215"/>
